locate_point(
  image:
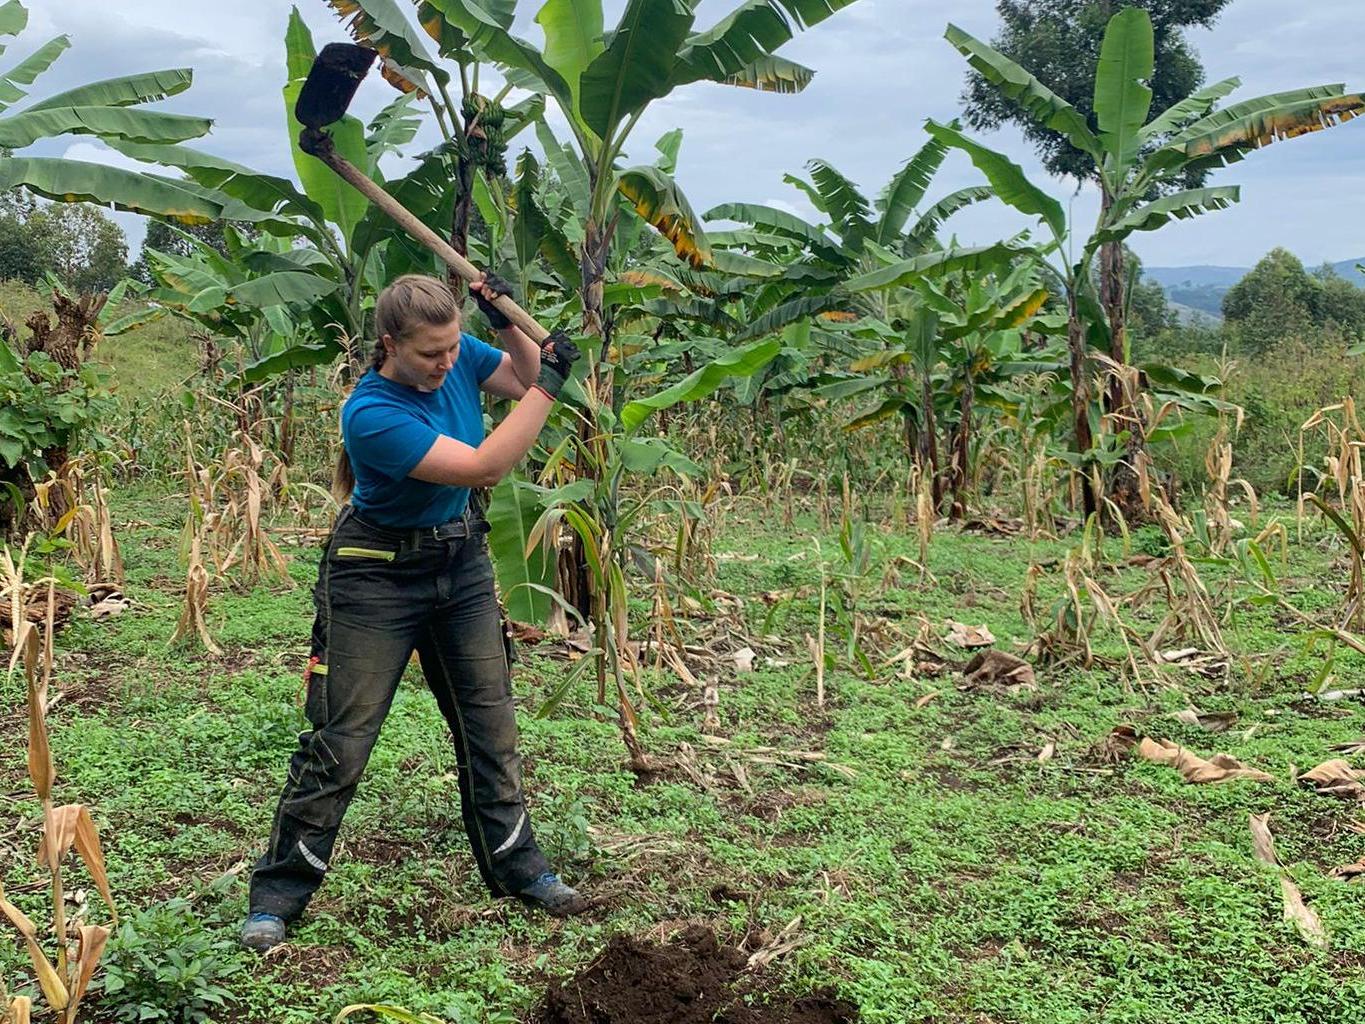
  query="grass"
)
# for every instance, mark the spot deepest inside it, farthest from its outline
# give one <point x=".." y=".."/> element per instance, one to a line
<point x="951" y="876"/>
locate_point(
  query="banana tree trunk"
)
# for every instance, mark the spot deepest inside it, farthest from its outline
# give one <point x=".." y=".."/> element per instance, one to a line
<point x="459" y="221"/>
<point x="1123" y="392"/>
<point x="1080" y="404"/>
<point x="962" y="457"/>
<point x="928" y="442"/>
<point x="593" y="264"/>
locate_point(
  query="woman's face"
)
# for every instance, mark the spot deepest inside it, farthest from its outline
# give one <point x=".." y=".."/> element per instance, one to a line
<point x="424" y="356"/>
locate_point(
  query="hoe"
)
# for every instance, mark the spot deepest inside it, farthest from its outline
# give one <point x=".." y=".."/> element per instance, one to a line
<point x="327" y="92"/>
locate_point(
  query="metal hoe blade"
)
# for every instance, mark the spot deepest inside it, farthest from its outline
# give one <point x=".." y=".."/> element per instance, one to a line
<point x="331" y="84"/>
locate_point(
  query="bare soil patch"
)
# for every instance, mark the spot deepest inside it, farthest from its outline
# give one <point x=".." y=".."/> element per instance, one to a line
<point x="695" y="979"/>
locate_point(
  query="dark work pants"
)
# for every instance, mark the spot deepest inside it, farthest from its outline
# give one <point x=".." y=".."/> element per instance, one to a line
<point x="380" y="595"/>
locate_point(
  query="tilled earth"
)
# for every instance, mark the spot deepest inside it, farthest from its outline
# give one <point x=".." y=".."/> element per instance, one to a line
<point x="695" y="979"/>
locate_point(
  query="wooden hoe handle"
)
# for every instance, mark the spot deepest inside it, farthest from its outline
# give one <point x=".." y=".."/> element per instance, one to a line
<point x="319" y="144"/>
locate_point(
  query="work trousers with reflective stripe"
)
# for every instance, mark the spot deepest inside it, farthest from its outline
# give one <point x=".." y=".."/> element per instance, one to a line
<point x="382" y="594"/>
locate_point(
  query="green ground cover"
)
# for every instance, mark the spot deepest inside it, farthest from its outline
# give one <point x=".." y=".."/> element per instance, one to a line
<point x="940" y="871"/>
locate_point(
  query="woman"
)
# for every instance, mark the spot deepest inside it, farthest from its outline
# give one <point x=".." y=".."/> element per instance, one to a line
<point x="406" y="568"/>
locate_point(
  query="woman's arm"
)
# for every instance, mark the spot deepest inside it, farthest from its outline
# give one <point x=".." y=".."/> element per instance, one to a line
<point x="525" y="353"/>
<point x="457" y="464"/>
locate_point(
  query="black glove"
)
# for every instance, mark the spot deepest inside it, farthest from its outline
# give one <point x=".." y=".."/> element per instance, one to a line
<point x="497" y="286"/>
<point x="558" y="353"/>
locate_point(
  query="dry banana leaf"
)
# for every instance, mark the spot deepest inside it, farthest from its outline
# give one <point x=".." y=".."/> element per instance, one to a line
<point x="1194" y="769"/>
<point x="1209" y="721"/>
<point x="1295" y="910"/>
<point x="998" y="669"/>
<point x="962" y="635"/>
<point x="1335" y="778"/>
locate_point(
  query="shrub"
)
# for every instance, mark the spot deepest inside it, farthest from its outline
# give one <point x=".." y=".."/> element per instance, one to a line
<point x="163" y="964"/>
<point x="44" y="410"/>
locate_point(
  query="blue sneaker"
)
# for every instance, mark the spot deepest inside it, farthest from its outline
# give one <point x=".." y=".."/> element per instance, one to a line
<point x="262" y="931"/>
<point x="554" y="897"/>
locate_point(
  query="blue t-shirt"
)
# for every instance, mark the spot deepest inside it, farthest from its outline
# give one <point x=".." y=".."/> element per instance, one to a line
<point x="388" y="428"/>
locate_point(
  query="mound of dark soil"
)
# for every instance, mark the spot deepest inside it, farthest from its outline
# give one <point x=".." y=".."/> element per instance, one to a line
<point x="693" y="980"/>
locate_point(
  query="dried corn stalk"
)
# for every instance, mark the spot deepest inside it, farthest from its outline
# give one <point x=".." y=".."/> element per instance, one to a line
<point x="79" y="945"/>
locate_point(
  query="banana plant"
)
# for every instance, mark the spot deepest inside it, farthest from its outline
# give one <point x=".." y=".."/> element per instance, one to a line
<point x="815" y="261"/>
<point x="475" y="128"/>
<point x="108" y="109"/>
<point x="603" y="82"/>
<point x="1137" y="162"/>
<point x="961" y="338"/>
<point x="527" y="517"/>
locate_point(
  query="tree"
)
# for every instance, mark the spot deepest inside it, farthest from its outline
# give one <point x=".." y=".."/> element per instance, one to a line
<point x="89" y="251"/>
<point x="1138" y="161"/>
<point x="25" y="253"/>
<point x="77" y="242"/>
<point x="162" y="237"/>
<point x="1059" y="42"/>
<point x="1280" y="299"/>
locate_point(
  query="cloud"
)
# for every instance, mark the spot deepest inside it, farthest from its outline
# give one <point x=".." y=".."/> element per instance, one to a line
<point x="882" y="68"/>
<point x="99" y="153"/>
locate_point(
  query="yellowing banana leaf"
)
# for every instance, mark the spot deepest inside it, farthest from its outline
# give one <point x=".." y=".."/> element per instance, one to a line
<point x="657" y="198"/>
<point x="485" y="26"/>
<point x="383" y="26"/>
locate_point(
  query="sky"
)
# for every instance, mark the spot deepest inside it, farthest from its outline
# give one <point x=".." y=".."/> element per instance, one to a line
<point x="882" y="66"/>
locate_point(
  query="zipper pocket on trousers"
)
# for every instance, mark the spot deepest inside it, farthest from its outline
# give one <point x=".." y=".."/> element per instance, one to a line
<point x="386" y="556"/>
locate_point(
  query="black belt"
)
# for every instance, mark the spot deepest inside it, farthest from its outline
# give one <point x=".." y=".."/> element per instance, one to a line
<point x="455" y="529"/>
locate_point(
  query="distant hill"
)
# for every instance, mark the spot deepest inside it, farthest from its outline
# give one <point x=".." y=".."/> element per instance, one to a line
<point x="1349" y="270"/>
<point x="1195" y="277"/>
<point x="1202" y="287"/>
